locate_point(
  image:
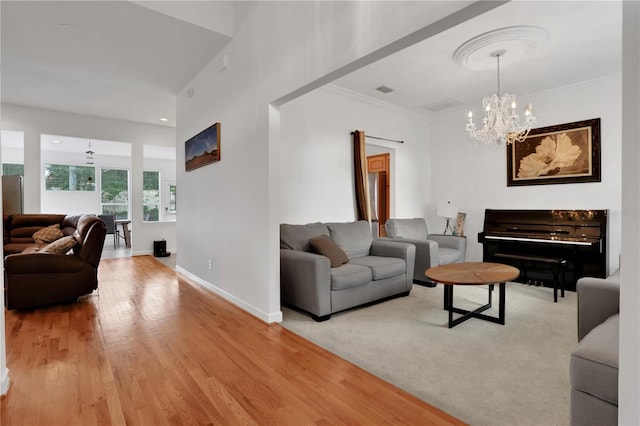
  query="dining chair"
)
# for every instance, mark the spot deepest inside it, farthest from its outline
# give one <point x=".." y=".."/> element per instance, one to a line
<point x="110" y="222"/>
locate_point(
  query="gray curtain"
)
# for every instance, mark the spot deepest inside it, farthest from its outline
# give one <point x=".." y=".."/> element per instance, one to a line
<point x="363" y="210"/>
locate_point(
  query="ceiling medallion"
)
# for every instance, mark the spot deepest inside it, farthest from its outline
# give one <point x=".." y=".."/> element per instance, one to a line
<point x="520" y="41"/>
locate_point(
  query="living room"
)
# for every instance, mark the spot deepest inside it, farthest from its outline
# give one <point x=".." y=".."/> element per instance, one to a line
<point x="287" y="71"/>
<point x="252" y="154"/>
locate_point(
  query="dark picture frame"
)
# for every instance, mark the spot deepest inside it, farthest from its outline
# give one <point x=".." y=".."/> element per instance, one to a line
<point x="203" y="148"/>
<point x="564" y="153"/>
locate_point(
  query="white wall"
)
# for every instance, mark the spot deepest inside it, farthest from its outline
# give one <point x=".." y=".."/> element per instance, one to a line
<point x="35" y="122"/>
<point x="316" y="155"/>
<point x="13" y="155"/>
<point x="4" y="371"/>
<point x="281" y="51"/>
<point x="474" y="176"/>
<point x="629" y="373"/>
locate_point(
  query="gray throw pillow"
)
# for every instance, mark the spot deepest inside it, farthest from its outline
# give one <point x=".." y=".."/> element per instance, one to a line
<point x="325" y="246"/>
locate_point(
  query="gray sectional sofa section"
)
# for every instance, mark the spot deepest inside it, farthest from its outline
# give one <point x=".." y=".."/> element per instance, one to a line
<point x="594" y="361"/>
<point x="376" y="269"/>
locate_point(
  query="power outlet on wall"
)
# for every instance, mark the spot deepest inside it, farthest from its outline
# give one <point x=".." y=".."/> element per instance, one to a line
<point x="210" y="264"/>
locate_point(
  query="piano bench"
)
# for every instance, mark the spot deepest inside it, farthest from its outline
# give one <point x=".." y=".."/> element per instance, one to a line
<point x="557" y="265"/>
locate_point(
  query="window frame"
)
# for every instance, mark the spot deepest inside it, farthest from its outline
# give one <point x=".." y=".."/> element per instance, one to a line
<point x="157" y="204"/>
<point x="126" y="205"/>
<point x="69" y="166"/>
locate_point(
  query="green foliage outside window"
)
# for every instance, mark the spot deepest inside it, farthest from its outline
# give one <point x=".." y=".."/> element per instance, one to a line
<point x="10" y="169"/>
<point x="151" y="196"/>
<point x="62" y="177"/>
<point x="115" y="192"/>
<point x="172" y="198"/>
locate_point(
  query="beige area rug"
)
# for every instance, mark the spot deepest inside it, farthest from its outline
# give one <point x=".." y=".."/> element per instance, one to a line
<point x="480" y="372"/>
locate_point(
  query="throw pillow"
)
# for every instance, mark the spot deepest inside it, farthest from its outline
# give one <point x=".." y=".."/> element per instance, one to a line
<point x="48" y="234"/>
<point x="60" y="246"/>
<point x="325" y="246"/>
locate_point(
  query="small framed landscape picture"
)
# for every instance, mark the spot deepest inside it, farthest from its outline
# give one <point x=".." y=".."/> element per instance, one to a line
<point x="565" y="153"/>
<point x="203" y="148"/>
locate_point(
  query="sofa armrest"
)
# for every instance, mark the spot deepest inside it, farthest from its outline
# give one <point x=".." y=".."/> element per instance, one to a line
<point x="305" y="281"/>
<point x="43" y="263"/>
<point x="598" y="299"/>
<point x="389" y="248"/>
<point x="450" y="241"/>
<point x="426" y="255"/>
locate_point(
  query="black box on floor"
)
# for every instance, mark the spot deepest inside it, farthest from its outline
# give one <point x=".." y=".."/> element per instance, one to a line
<point x="160" y="249"/>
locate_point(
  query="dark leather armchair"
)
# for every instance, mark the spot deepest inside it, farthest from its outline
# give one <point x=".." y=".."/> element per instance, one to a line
<point x="34" y="279"/>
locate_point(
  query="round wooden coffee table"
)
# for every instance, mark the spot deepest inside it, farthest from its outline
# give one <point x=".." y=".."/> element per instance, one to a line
<point x="473" y="273"/>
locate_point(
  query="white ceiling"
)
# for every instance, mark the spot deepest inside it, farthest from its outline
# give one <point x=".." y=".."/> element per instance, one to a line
<point x="111" y="59"/>
<point x="121" y="60"/>
<point x="585" y="43"/>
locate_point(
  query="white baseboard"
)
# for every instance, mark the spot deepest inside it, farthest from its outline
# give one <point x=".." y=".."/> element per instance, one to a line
<point x="4" y="382"/>
<point x="268" y="317"/>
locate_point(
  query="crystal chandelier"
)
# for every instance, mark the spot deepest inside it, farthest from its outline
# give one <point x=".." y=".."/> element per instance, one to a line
<point x="501" y="123"/>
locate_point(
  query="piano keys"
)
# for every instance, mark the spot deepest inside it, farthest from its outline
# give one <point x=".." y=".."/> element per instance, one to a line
<point x="579" y="236"/>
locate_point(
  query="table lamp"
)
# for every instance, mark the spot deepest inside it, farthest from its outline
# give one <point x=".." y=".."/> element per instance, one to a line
<point x="448" y="211"/>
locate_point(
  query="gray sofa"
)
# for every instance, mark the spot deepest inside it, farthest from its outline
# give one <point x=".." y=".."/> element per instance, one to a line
<point x="594" y="361"/>
<point x="375" y="269"/>
<point x="431" y="249"/>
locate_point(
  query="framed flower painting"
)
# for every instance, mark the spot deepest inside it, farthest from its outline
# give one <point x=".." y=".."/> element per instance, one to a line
<point x="565" y="153"/>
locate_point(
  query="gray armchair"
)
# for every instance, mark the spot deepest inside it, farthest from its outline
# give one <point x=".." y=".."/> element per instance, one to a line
<point x="431" y="249"/>
<point x="594" y="361"/>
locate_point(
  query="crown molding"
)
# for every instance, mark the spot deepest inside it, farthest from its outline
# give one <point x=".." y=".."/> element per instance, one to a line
<point x="332" y="88"/>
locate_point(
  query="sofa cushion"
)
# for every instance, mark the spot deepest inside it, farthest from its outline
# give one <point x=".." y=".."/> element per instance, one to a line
<point x="33" y="248"/>
<point x="407" y="228"/>
<point x="48" y="234"/>
<point x="296" y="237"/>
<point x="325" y="246"/>
<point x="594" y="362"/>
<point x="349" y="275"/>
<point x="14" y="248"/>
<point x="61" y="246"/>
<point x="23" y="226"/>
<point x="354" y="238"/>
<point x="382" y="267"/>
<point x="448" y="255"/>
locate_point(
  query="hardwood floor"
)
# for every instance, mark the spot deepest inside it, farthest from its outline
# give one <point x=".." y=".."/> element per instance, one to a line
<point x="155" y="349"/>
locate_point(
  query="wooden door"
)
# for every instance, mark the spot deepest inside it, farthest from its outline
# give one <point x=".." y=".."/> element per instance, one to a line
<point x="380" y="164"/>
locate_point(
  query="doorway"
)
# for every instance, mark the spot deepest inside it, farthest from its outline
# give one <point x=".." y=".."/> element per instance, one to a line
<point x="379" y="173"/>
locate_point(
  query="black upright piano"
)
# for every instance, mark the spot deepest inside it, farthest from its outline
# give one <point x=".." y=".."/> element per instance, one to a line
<point x="578" y="236"/>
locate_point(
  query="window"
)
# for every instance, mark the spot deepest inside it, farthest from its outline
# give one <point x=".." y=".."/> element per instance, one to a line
<point x="115" y="192"/>
<point x="62" y="177"/>
<point x="151" y="196"/>
<point x="9" y="169"/>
